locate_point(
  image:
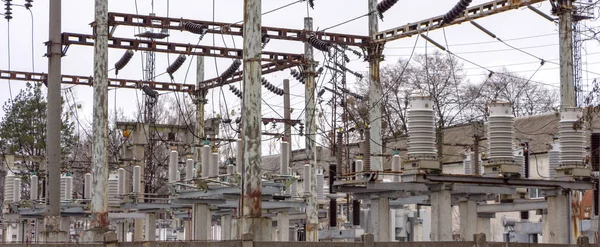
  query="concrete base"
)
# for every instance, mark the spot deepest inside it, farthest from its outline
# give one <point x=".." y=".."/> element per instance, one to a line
<point x="54" y="237"/>
<point x="441" y="216"/>
<point x="468" y="215"/>
<point x="202" y="219"/>
<point x="558" y="215"/>
<point x="138" y="230"/>
<point x="97" y="235"/>
<point x="380" y="218"/>
<point x="483" y="226"/>
<point x="226" y="221"/>
<point x="260" y="228"/>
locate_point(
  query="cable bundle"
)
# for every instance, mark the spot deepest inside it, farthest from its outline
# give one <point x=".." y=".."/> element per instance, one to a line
<point x="119" y="65"/>
<point x="297" y="75"/>
<point x="271" y="87"/>
<point x="319" y="44"/>
<point x="456" y="11"/>
<point x="235" y="91"/>
<point x="176" y="65"/>
<point x="230" y="71"/>
<point x="384" y="6"/>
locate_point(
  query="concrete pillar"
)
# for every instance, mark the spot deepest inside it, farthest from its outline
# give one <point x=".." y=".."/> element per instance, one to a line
<point x="283" y="226"/>
<point x="121" y="233"/>
<point x="441" y="216"/>
<point x="380" y="217"/>
<point x="201" y="220"/>
<point x="545" y="228"/>
<point x="483" y="225"/>
<point x="226" y="221"/>
<point x="558" y="220"/>
<point x="468" y="219"/>
<point x="150" y="227"/>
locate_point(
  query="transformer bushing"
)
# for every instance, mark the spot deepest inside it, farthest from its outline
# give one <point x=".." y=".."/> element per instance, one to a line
<point x="572" y="145"/>
<point x="501" y="134"/>
<point x="422" y="155"/>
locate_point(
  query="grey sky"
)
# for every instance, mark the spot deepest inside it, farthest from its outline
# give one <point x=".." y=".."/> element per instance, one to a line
<point x="77" y="14"/>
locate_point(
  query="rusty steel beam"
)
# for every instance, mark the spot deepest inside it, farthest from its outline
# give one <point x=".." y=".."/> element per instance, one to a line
<point x="267" y="68"/>
<point x="176" y="48"/>
<point x="475" y="12"/>
<point x="89" y="81"/>
<point x="121" y="19"/>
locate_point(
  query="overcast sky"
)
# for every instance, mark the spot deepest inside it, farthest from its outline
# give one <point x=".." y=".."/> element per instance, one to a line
<point x="521" y="27"/>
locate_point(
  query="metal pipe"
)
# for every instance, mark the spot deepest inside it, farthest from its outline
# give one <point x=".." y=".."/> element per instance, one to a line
<point x="173" y="166"/>
<point x="53" y="124"/>
<point x="99" y="205"/>
<point x="312" y="231"/>
<point x="374" y="58"/>
<point x="251" y="123"/>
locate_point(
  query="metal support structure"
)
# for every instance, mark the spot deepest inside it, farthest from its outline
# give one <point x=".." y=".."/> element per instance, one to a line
<point x="99" y="203"/>
<point x="312" y="219"/>
<point x="53" y="127"/>
<point x="267" y="68"/>
<point x="374" y="57"/>
<point x="565" y="33"/>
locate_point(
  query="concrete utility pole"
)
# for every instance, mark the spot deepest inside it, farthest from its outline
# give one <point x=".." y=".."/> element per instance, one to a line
<point x="99" y="203"/>
<point x="52" y="219"/>
<point x="375" y="57"/>
<point x="287" y="111"/>
<point x="200" y="99"/>
<point x="312" y="226"/>
<point x="565" y="32"/>
<point x="252" y="221"/>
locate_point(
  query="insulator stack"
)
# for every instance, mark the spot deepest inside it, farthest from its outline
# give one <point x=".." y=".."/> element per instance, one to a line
<point x="284" y="158"/>
<point x="87" y="185"/>
<point x="235" y="91"/>
<point x="396" y="167"/>
<point x="214" y="165"/>
<point x="501" y="132"/>
<point x="119" y="65"/>
<point x="553" y="160"/>
<point x="230" y="169"/>
<point x="367" y="150"/>
<point x="384" y="6"/>
<point x="355" y="95"/>
<point x="311" y="3"/>
<point x="358" y="166"/>
<point x="137" y="179"/>
<point x="8" y="12"/>
<point x="230" y="71"/>
<point x="9" y="188"/>
<point x="358" y="75"/>
<point x="122" y="175"/>
<point x="205" y="160"/>
<point x="189" y="168"/>
<point x="421" y="128"/>
<point x="66" y="189"/>
<point x="195" y="28"/>
<point x="320" y="184"/>
<point x="319" y="44"/>
<point x="176" y="65"/>
<point x="298" y="76"/>
<point x="571" y="137"/>
<point x="113" y="189"/>
<point x="456" y="11"/>
<point x="28" y="4"/>
<point x="33" y="190"/>
<point x="307" y="178"/>
<point x="173" y="166"/>
<point x="271" y="87"/>
<point x="17" y="190"/>
<point x="265" y="39"/>
<point x="467" y="166"/>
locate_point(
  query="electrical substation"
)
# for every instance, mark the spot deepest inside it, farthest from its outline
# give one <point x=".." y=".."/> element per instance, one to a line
<point x="376" y="191"/>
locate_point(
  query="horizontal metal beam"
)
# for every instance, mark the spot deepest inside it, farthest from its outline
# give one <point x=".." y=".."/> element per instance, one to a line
<point x="114" y="216"/>
<point x="511" y="182"/>
<point x="116" y="19"/>
<point x="430" y="24"/>
<point x="267" y="68"/>
<point x="89" y="81"/>
<point x="512" y="207"/>
<point x="409" y="200"/>
<point x="177" y="48"/>
<point x="266" y="190"/>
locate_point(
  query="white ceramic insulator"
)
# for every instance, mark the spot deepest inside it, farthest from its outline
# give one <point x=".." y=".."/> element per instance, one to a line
<point x="553" y="160"/>
<point x="358" y="166"/>
<point x="421" y="127"/>
<point x="68" y="188"/>
<point x="294" y="188"/>
<point x="137" y="179"/>
<point x="230" y="169"/>
<point x="214" y="165"/>
<point x="572" y="140"/>
<point x="189" y="169"/>
<point x="173" y="156"/>
<point x="320" y="184"/>
<point x="33" y="190"/>
<point x="396" y="167"/>
<point x="87" y="186"/>
<point x="205" y="160"/>
<point x="500" y="131"/>
<point x="9" y="188"/>
<point x="113" y="188"/>
<point x="177" y="175"/>
<point x="467" y="167"/>
<point x="17" y="190"/>
<point x="194" y="172"/>
<point x="284" y="158"/>
<point x="306" y="180"/>
<point x="122" y="175"/>
<point x="238" y="158"/>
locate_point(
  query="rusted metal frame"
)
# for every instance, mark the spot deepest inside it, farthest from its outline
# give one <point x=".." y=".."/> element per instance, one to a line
<point x="267" y="68"/>
<point x="177" y="48"/>
<point x="116" y="19"/>
<point x="89" y="81"/>
<point x="475" y="12"/>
